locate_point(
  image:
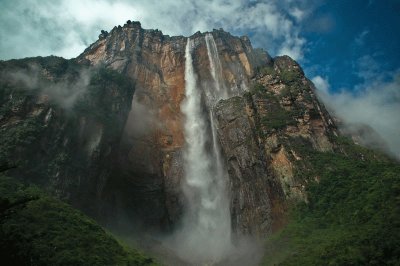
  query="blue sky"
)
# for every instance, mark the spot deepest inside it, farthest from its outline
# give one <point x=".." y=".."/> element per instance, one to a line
<point x="348" y="48"/>
<point x="358" y="32"/>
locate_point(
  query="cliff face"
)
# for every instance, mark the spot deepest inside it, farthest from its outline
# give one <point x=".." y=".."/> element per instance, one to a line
<point x="255" y="129"/>
<point x="261" y="133"/>
<point x="129" y="158"/>
<point x="60" y="125"/>
<point x="151" y="157"/>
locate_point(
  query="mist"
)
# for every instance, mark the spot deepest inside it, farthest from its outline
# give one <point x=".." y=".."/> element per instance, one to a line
<point x="375" y="104"/>
<point x="141" y="121"/>
<point x="64" y="92"/>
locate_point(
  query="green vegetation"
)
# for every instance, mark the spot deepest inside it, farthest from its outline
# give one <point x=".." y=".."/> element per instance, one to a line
<point x="45" y="151"/>
<point x="293" y="80"/>
<point x="290" y="76"/>
<point x="353" y="214"/>
<point x="55" y="65"/>
<point x="37" y="229"/>
<point x="99" y="100"/>
<point x="58" y="65"/>
<point x="105" y="75"/>
<point x="22" y="134"/>
<point x="278" y="118"/>
<point x="258" y="88"/>
<point x="268" y="70"/>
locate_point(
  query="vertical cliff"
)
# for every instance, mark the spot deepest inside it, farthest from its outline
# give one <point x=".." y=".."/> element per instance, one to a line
<point x="60" y="125"/>
<point x="261" y="133"/>
<point x="151" y="157"/>
<point x="274" y="109"/>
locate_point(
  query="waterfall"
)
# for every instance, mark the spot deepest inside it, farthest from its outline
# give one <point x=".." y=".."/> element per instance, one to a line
<point x="220" y="91"/>
<point x="206" y="231"/>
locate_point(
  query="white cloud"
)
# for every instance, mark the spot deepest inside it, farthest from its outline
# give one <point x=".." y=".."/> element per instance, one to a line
<point x="64" y="92"/>
<point x="376" y="103"/>
<point x="368" y="69"/>
<point x="66" y="27"/>
<point x="297" y="13"/>
<point x="321" y="83"/>
<point x="360" y="38"/>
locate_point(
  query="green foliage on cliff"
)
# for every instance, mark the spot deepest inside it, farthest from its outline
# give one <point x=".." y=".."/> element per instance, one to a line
<point x="353" y="214"/>
<point x="21" y="134"/>
<point x="37" y="229"/>
<point x="290" y="76"/>
<point x="278" y="118"/>
<point x="59" y="121"/>
<point x="107" y="93"/>
<point x="267" y="70"/>
<point x="57" y="117"/>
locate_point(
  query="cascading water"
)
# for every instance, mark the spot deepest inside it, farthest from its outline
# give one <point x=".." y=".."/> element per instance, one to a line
<point x="219" y="90"/>
<point x="206" y="232"/>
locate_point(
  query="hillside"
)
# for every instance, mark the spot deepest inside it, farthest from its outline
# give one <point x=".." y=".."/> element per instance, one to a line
<point x="351" y="216"/>
<point x="37" y="229"/>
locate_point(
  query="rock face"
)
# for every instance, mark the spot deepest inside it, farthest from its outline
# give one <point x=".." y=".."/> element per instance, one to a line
<point x="131" y="151"/>
<point x="260" y="133"/>
<point x="151" y="157"/>
<point x="60" y="124"/>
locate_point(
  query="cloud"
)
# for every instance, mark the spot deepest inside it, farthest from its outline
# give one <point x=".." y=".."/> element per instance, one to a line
<point x="321" y="83"/>
<point x="60" y="27"/>
<point x="360" y="38"/>
<point x="141" y="120"/>
<point x="64" y="92"/>
<point x="320" y="24"/>
<point x="67" y="27"/>
<point x="369" y="70"/>
<point x="375" y="102"/>
<point x="297" y="13"/>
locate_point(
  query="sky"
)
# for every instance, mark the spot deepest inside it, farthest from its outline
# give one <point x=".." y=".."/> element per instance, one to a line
<point x="348" y="48"/>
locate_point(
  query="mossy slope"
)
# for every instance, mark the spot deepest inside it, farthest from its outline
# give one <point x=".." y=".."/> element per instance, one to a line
<point x="37" y="229"/>
<point x="353" y="213"/>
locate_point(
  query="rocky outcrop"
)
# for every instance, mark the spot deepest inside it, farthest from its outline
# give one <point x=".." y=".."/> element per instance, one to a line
<point x="250" y="204"/>
<point x="260" y="134"/>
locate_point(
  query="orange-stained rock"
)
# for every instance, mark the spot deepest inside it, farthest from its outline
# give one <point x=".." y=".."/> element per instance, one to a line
<point x="261" y="160"/>
<point x="155" y="62"/>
